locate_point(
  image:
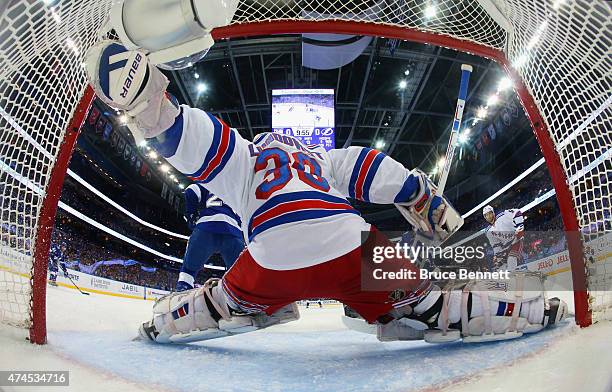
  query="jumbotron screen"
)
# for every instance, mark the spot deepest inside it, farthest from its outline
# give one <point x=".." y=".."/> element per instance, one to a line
<point x="307" y="114"/>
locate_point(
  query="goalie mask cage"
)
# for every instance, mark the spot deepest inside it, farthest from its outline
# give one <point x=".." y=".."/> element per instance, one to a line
<point x="556" y="52"/>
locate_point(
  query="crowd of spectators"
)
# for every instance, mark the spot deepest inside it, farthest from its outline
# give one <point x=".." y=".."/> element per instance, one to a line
<point x="74" y="195"/>
<point x="85" y="246"/>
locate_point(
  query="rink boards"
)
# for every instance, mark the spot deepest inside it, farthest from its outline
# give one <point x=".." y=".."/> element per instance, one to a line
<point x="556" y="267"/>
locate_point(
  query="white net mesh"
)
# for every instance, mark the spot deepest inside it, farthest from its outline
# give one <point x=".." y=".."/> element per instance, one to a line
<point x="41" y="82"/>
<point x="560" y="48"/>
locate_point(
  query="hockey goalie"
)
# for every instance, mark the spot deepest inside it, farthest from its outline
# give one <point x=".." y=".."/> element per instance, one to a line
<point x="304" y="239"/>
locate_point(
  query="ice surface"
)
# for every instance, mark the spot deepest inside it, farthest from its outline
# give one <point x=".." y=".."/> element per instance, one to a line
<point x="91" y="336"/>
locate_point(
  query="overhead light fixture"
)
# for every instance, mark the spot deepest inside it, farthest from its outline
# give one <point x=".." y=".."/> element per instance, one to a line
<point x="201" y="87"/>
<point x="196" y="75"/>
<point x="430" y="11"/>
<point x="407" y="72"/>
<point x="504" y="84"/>
<point x="403" y="84"/>
<point x="70" y="43"/>
<point x="463" y="137"/>
<point x="481" y="112"/>
<point x="558" y="4"/>
<point x="492" y="100"/>
<point x="379" y="144"/>
<point x="441" y="163"/>
<point x="520" y="61"/>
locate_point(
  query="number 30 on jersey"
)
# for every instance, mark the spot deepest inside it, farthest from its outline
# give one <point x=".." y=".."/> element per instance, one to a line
<point x="282" y="171"/>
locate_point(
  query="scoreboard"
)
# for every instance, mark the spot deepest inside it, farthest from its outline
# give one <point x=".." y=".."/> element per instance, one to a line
<point x="307" y="114"/>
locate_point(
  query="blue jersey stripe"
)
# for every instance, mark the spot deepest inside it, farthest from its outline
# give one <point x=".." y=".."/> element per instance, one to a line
<point x="212" y="151"/>
<point x="355" y="173"/>
<point x="370" y="176"/>
<point x="297" y="216"/>
<point x="167" y="143"/>
<point x="293" y="196"/>
<point x="226" y="157"/>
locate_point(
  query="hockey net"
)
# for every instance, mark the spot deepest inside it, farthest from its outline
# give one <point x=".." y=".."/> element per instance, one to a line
<point x="556" y="51"/>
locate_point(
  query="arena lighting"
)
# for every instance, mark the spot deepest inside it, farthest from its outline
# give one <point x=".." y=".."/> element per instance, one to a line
<point x="403" y="84"/>
<point x="430" y="11"/>
<point x="196" y="75"/>
<point x="534" y="40"/>
<point x="56" y="17"/>
<point x="520" y="61"/>
<point x="504" y="84"/>
<point x="492" y="100"/>
<point x="70" y="43"/>
<point x="407" y="72"/>
<point x="201" y="87"/>
<point x="463" y="137"/>
<point x="153" y="154"/>
<point x="379" y="144"/>
<point x="558" y="3"/>
<point x="481" y="112"/>
<point x="441" y="162"/>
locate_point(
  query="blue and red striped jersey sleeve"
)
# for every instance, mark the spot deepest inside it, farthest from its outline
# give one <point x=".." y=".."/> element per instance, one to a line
<point x="201" y="147"/>
<point x="369" y="175"/>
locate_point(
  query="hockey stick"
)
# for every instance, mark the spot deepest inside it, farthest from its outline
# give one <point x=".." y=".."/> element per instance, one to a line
<point x="75" y="285"/>
<point x="466" y="71"/>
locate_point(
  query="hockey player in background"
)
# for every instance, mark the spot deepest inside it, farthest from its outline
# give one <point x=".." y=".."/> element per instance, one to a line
<point x="304" y="237"/>
<point x="56" y="261"/>
<point x="505" y="234"/>
<point x="215" y="228"/>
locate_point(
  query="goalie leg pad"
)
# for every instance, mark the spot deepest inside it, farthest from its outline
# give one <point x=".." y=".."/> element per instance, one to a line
<point x="188" y="316"/>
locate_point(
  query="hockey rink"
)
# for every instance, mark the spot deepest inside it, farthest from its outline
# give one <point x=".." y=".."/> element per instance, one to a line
<point x="92" y="337"/>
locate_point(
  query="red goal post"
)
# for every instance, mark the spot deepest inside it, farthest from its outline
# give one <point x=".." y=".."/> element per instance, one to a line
<point x="558" y="67"/>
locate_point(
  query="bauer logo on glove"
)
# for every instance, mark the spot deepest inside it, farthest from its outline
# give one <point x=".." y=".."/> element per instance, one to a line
<point x="120" y="73"/>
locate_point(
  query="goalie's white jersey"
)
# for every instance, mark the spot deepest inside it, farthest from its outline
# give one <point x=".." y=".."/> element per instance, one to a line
<point x="292" y="197"/>
<point x="506" y="230"/>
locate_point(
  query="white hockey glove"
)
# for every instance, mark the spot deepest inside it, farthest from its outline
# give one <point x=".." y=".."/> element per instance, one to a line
<point x="124" y="79"/>
<point x="433" y="217"/>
